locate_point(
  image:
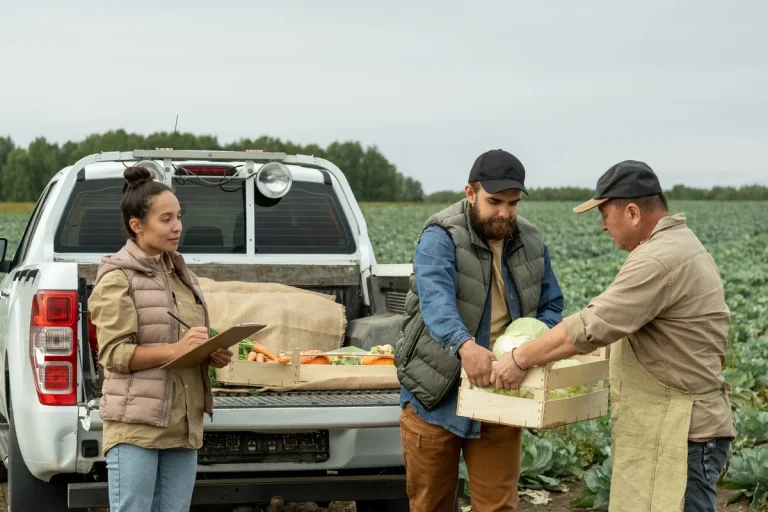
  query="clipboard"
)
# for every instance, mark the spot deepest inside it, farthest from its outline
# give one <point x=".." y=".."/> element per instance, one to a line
<point x="224" y="339"/>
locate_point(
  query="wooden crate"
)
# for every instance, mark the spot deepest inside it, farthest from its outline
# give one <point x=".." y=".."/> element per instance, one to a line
<point x="540" y="412"/>
<point x="251" y="373"/>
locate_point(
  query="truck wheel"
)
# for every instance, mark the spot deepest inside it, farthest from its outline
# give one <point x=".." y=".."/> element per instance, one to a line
<point x="25" y="491"/>
<point x="383" y="506"/>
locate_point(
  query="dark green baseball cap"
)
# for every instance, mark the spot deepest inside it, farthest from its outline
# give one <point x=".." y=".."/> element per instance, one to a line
<point x="625" y="180"/>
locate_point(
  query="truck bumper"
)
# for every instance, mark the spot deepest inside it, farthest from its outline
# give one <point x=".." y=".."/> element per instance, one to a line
<point x="249" y="491"/>
<point x="363" y="427"/>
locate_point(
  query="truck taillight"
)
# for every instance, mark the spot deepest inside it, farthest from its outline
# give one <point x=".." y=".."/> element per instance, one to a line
<point x="207" y="170"/>
<point x="53" y="346"/>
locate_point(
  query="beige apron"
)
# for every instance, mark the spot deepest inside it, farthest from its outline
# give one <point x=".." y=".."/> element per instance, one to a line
<point x="649" y="437"/>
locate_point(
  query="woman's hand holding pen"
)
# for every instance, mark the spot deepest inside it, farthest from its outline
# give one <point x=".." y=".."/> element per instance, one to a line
<point x="194" y="337"/>
<point x="150" y="357"/>
<point x="197" y="336"/>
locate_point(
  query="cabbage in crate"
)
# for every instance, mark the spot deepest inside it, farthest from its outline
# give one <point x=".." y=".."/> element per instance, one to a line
<point x="345" y="359"/>
<point x="517" y="334"/>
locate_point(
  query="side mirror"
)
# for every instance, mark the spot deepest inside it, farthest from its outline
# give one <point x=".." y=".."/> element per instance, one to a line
<point x="5" y="266"/>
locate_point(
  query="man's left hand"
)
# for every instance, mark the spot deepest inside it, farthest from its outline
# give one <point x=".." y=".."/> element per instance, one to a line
<point x="506" y="374"/>
<point x="221" y="357"/>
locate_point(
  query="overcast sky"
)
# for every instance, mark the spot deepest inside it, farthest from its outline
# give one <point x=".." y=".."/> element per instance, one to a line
<point x="570" y="87"/>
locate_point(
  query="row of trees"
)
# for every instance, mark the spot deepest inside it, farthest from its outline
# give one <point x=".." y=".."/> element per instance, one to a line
<point x="24" y="172"/>
<point x="678" y="192"/>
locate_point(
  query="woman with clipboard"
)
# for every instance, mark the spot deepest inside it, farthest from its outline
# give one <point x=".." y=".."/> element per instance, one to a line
<point x="153" y="417"/>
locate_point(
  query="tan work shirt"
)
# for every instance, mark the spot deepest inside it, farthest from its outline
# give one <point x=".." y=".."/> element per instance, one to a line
<point x="668" y="300"/>
<point x="500" y="318"/>
<point x="117" y="327"/>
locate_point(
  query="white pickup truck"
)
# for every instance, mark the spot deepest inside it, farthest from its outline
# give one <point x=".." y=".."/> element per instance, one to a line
<point x="249" y="216"/>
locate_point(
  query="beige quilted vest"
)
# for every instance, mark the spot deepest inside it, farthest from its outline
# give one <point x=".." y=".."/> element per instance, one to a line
<point x="145" y="396"/>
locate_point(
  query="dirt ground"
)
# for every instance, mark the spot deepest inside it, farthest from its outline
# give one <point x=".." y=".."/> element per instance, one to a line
<point x="559" y="503"/>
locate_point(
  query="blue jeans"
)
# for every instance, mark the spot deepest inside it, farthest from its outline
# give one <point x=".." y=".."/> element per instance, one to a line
<point x="134" y="473"/>
<point x="705" y="461"/>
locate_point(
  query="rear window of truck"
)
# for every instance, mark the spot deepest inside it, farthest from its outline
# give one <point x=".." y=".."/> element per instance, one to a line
<point x="308" y="219"/>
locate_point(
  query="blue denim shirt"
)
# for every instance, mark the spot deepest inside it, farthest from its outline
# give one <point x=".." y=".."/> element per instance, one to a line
<point x="436" y="279"/>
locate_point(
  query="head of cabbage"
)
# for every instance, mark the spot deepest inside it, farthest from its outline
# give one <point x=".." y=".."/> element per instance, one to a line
<point x="517" y="334"/>
<point x="554" y="394"/>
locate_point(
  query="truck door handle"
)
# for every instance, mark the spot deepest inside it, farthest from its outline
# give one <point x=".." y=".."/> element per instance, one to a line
<point x="5" y="293"/>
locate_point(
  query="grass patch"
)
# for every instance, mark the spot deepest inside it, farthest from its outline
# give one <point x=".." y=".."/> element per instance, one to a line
<point x="17" y="207"/>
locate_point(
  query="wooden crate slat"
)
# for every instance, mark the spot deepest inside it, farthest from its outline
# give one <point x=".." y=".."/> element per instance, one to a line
<point x="585" y="373"/>
<point x="535" y="378"/>
<point x="251" y="373"/>
<point x="574" y="409"/>
<point x="315" y="372"/>
<point x="480" y="405"/>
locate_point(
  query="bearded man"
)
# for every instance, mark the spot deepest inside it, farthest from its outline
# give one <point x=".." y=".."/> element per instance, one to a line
<point x="478" y="266"/>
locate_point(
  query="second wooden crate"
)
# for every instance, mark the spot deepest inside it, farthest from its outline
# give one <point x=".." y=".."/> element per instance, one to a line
<point x="541" y="412"/>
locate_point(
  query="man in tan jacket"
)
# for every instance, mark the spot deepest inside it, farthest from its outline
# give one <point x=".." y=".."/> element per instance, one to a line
<point x="666" y="316"/>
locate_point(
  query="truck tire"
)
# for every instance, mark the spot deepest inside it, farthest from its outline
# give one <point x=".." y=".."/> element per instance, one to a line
<point x="25" y="491"/>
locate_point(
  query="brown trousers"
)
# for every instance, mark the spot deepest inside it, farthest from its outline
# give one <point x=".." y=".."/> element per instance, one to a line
<point x="432" y="456"/>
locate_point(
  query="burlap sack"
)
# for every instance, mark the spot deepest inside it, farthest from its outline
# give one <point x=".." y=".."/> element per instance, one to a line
<point x="294" y="318"/>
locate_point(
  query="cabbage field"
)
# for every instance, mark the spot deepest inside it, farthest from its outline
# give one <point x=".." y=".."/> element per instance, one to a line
<point x="585" y="261"/>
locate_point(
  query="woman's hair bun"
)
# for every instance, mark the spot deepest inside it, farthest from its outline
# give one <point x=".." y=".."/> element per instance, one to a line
<point x="137" y="176"/>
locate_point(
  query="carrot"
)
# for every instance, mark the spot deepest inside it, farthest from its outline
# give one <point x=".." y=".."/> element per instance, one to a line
<point x="260" y="358"/>
<point x="253" y="356"/>
<point x="261" y="349"/>
<point x="318" y="360"/>
<point x="284" y="360"/>
<point x="376" y="360"/>
<point x="308" y="357"/>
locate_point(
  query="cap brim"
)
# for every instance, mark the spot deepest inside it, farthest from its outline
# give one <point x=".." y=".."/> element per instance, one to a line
<point x="496" y="186"/>
<point x="588" y="205"/>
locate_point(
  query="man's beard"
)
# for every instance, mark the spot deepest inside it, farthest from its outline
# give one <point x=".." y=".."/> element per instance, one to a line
<point x="493" y="228"/>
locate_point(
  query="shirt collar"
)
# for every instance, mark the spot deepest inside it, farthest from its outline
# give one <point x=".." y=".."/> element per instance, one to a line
<point x="668" y="222"/>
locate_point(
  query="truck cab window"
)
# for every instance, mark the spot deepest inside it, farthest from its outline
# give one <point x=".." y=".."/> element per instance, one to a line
<point x="21" y="251"/>
<point x="308" y="220"/>
<point x="212" y="217"/>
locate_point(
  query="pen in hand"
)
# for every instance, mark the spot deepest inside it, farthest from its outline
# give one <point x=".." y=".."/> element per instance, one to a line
<point x="182" y="322"/>
<point x="220" y="357"/>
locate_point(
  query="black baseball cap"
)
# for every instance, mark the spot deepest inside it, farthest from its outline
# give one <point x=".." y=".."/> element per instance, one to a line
<point x="498" y="170"/>
<point x="625" y="180"/>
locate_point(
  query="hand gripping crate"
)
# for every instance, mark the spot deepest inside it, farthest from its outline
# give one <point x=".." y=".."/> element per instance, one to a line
<point x="541" y="412"/>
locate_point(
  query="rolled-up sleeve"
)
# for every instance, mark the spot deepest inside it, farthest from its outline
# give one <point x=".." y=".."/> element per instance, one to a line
<point x="114" y="315"/>
<point x="637" y="295"/>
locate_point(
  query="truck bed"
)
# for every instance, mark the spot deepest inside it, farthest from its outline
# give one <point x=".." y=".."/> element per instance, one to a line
<point x="295" y="409"/>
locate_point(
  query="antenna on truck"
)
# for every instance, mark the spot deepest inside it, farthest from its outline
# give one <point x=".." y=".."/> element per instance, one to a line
<point x="177" y="123"/>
